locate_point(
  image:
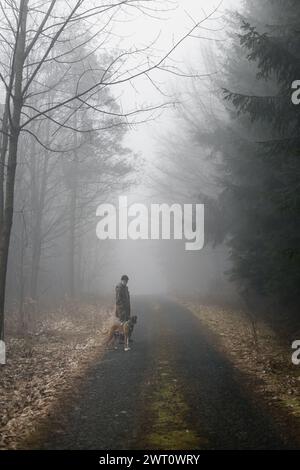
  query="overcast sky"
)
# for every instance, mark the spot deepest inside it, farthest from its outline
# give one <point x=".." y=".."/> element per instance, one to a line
<point x="144" y="268"/>
<point x="188" y="56"/>
<point x="140" y="31"/>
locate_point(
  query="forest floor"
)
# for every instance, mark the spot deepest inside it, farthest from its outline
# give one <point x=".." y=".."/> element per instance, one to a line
<point x="266" y="361"/>
<point x="175" y="389"/>
<point x="42" y="367"/>
<point x="60" y="389"/>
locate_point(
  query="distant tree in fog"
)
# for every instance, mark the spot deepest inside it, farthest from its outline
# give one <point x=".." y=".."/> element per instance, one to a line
<point x="245" y="125"/>
<point x="31" y="39"/>
<point x="262" y="174"/>
<point x="253" y="127"/>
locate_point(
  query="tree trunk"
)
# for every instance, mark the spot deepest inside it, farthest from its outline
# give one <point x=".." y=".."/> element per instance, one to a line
<point x="38" y="202"/>
<point x="13" y="140"/>
<point x="21" y="326"/>
<point x="7" y="223"/>
<point x="72" y="234"/>
<point x="73" y="211"/>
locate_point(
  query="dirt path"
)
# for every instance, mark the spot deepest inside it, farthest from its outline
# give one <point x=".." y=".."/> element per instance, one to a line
<point x="173" y="390"/>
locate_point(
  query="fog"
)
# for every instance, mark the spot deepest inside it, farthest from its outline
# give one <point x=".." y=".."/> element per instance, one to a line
<point x="54" y="249"/>
<point x="149" y="145"/>
<point x="132" y="100"/>
<point x="164" y="266"/>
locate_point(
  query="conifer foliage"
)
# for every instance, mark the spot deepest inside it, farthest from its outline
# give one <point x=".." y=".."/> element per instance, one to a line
<point x="261" y="174"/>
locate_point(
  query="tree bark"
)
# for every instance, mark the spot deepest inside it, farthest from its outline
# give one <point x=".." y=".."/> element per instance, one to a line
<point x="38" y="202"/>
<point x="73" y="214"/>
<point x="72" y="228"/>
<point x="13" y="139"/>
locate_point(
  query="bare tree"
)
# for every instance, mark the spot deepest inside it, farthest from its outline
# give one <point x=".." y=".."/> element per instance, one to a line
<point x="30" y="38"/>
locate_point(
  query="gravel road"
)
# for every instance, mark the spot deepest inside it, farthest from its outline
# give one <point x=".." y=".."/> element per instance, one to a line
<point x="173" y="390"/>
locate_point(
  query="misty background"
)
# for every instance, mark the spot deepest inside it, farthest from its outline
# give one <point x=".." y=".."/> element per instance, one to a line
<point x="177" y="133"/>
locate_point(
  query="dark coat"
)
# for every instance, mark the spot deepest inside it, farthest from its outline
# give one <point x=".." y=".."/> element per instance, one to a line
<point x="122" y="302"/>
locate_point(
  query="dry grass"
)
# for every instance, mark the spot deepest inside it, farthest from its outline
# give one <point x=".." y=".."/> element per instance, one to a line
<point x="57" y="349"/>
<point x="266" y="364"/>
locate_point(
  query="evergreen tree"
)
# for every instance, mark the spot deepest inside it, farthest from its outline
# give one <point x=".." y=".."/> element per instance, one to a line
<point x="261" y="197"/>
